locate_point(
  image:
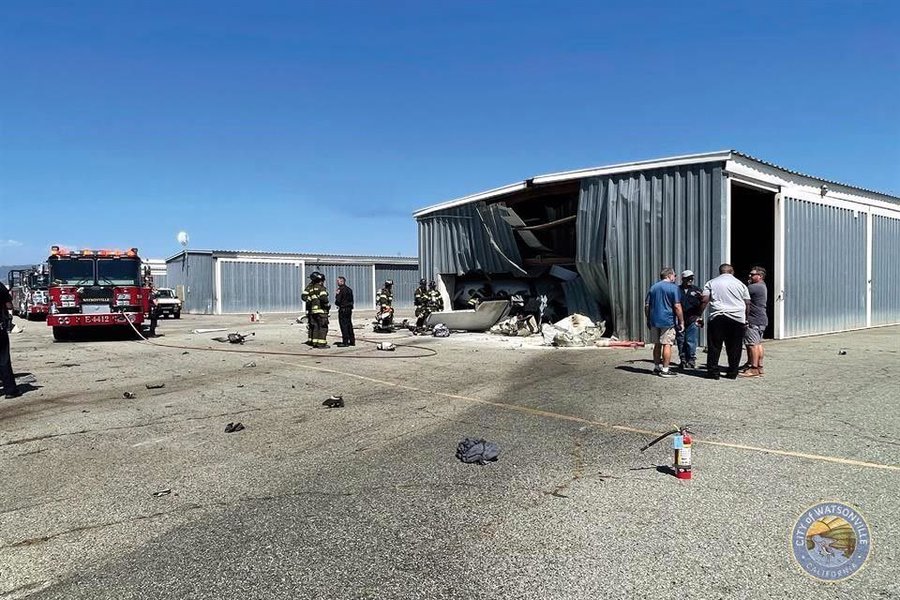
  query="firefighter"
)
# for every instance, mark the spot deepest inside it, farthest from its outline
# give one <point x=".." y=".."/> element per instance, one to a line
<point x="316" y="298"/>
<point x="435" y="300"/>
<point x="384" y="318"/>
<point x="420" y="299"/>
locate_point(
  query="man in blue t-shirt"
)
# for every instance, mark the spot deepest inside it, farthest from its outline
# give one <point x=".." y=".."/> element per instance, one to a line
<point x="664" y="316"/>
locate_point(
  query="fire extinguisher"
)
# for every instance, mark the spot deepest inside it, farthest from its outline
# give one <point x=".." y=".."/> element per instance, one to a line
<point x="682" y="444"/>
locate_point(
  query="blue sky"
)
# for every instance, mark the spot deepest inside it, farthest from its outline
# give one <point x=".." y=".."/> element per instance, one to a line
<point x="320" y="126"/>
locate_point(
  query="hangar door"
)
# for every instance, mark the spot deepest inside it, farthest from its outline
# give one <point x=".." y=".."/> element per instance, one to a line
<point x="267" y="286"/>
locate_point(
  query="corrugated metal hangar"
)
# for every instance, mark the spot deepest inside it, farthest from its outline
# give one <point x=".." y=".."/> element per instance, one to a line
<point x="595" y="239"/>
<point x="233" y="281"/>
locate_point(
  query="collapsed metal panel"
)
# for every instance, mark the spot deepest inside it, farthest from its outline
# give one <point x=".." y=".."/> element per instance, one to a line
<point x="461" y="239"/>
<point x="630" y="225"/>
<point x="885" y="270"/>
<point x="193" y="271"/>
<point x="264" y="286"/>
<point x="405" y="278"/>
<point x="825" y="268"/>
<point x="359" y="278"/>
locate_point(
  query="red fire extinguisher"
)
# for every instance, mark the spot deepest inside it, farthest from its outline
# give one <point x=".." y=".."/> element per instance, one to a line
<point x="682" y="443"/>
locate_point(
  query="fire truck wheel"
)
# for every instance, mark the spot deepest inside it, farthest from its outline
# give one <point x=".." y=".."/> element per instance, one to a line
<point x="60" y="334"/>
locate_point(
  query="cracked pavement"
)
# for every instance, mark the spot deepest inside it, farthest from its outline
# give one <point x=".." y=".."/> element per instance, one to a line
<point x="368" y="501"/>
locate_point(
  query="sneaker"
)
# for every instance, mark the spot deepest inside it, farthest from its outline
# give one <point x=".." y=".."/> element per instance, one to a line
<point x="666" y="373"/>
<point x="751" y="372"/>
<point x="691" y="365"/>
<point x="657" y="368"/>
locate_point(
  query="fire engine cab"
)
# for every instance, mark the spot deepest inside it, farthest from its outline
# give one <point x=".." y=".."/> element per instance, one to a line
<point x="91" y="288"/>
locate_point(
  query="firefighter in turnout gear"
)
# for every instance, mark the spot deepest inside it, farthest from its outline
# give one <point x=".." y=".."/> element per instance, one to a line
<point x="420" y="299"/>
<point x="316" y="298"/>
<point x="435" y="301"/>
<point x="384" y="318"/>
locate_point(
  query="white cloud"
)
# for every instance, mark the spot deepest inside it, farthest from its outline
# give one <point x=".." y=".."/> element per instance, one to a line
<point x="11" y="244"/>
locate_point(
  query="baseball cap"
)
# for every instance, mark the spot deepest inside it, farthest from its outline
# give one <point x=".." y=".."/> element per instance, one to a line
<point x="687" y="273"/>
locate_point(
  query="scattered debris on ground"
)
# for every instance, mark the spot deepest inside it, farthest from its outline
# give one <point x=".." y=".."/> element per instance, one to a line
<point x="386" y="346"/>
<point x="334" y="402"/>
<point x="234" y="427"/>
<point x="234" y="337"/>
<point x="214" y="330"/>
<point x="440" y="331"/>
<point x="842" y="352"/>
<point x="162" y="493"/>
<point x="478" y="451"/>
<point x="250" y="365"/>
<point x="155" y="386"/>
<point x="129" y="395"/>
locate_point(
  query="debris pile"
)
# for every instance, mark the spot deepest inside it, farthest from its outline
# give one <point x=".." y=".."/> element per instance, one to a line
<point x="574" y="331"/>
<point x="522" y="325"/>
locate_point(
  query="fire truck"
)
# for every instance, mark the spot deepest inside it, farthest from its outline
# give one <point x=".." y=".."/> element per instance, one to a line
<point x="28" y="288"/>
<point x="95" y="288"/>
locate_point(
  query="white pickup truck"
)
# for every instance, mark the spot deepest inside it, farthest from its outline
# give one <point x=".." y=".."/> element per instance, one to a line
<point x="167" y="303"/>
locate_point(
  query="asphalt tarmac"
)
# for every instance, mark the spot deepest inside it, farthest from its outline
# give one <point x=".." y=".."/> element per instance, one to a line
<point x="108" y="497"/>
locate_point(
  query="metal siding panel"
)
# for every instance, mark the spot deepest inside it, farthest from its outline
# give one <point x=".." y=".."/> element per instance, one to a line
<point x="358" y="276"/>
<point x="665" y="217"/>
<point x="195" y="273"/>
<point x="885" y="270"/>
<point x="160" y="281"/>
<point x="405" y="278"/>
<point x="264" y="286"/>
<point x="825" y="268"/>
<point x="454" y="241"/>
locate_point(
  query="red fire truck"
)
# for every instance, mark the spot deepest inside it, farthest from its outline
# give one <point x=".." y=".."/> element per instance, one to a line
<point x="91" y="288"/>
<point x="28" y="288"/>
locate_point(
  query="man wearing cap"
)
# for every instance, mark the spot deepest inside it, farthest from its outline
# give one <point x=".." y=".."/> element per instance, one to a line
<point x="686" y="339"/>
<point x="727" y="299"/>
<point x="757" y="321"/>
<point x="664" y="317"/>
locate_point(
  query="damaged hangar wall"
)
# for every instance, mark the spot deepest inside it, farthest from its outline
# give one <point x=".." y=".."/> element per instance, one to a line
<point x="632" y="224"/>
<point x="456" y="240"/>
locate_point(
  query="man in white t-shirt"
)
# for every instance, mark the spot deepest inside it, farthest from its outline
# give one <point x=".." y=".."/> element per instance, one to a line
<point x="727" y="298"/>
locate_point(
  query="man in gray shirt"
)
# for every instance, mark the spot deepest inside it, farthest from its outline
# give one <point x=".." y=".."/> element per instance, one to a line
<point x="757" y="321"/>
<point x="727" y="299"/>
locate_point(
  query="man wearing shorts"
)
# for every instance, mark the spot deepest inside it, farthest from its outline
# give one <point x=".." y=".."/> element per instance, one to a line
<point x="664" y="315"/>
<point x="757" y="321"/>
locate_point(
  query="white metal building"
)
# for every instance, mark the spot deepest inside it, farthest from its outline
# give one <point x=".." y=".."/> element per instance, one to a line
<point x="831" y="249"/>
<point x="238" y="281"/>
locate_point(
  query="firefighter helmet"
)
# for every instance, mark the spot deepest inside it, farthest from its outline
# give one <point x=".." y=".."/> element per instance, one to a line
<point x="422" y="282"/>
<point x="388" y="282"/>
<point x="316" y="276"/>
<point x="432" y="285"/>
